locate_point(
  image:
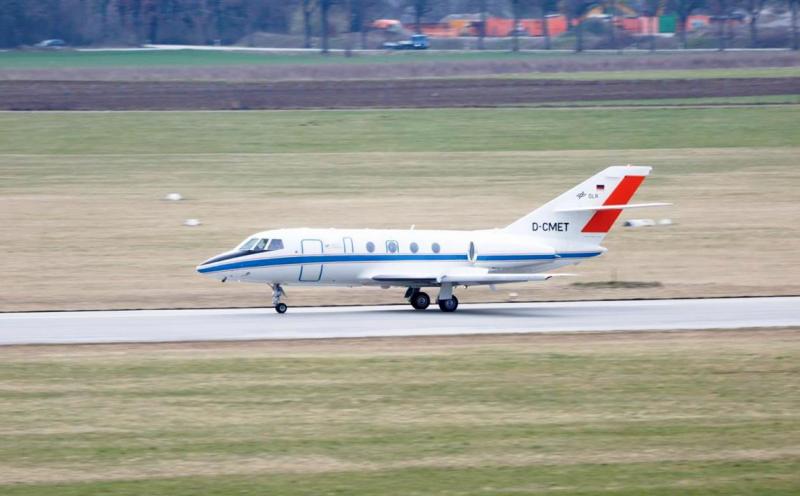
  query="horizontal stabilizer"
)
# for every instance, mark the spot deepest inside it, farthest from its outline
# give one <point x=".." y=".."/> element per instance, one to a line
<point x="614" y="207"/>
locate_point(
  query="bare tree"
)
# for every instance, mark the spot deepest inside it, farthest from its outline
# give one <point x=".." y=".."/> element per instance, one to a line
<point x="612" y="32"/>
<point x="754" y="8"/>
<point x="308" y="10"/>
<point x="516" y="7"/>
<point x="721" y="13"/>
<point x="683" y="9"/>
<point x="421" y="9"/>
<point x="324" y="10"/>
<point x="482" y="5"/>
<point x="577" y="9"/>
<point x="650" y="9"/>
<point x="544" y="7"/>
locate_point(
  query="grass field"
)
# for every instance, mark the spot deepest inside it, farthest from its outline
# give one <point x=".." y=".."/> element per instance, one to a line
<point x="53" y="59"/>
<point x="82" y="223"/>
<point x="172" y="65"/>
<point x="660" y="413"/>
<point x="740" y="72"/>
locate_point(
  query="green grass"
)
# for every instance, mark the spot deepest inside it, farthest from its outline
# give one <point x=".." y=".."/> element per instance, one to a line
<point x="713" y="413"/>
<point x="17" y="59"/>
<point x="683" y="102"/>
<point x="749" y="72"/>
<point x="63" y="59"/>
<point x="76" y="181"/>
<point x="436" y="130"/>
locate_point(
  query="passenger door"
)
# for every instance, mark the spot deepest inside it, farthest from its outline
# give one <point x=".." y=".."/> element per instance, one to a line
<point x="311" y="272"/>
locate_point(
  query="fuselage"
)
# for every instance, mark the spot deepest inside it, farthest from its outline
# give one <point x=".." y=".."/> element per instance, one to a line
<point x="353" y="257"/>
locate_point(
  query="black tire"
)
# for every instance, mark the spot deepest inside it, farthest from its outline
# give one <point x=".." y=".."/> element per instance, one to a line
<point x="281" y="308"/>
<point x="420" y="300"/>
<point x="448" y="305"/>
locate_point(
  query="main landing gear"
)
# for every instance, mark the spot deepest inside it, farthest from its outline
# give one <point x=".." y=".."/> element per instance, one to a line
<point x="418" y="299"/>
<point x="277" y="292"/>
<point x="448" y="305"/>
<point x="446" y="300"/>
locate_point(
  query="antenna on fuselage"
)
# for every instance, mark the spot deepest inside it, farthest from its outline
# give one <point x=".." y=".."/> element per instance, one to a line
<point x="412" y="227"/>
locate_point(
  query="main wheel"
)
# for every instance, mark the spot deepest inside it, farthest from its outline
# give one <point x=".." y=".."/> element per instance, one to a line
<point x="449" y="305"/>
<point x="281" y="308"/>
<point x="420" y="301"/>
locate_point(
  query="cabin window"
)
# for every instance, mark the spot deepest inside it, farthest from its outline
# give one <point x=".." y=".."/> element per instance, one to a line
<point x="472" y="251"/>
<point x="370" y="246"/>
<point x="392" y="247"/>
<point x="414" y="247"/>
<point x="436" y="248"/>
<point x="275" y="244"/>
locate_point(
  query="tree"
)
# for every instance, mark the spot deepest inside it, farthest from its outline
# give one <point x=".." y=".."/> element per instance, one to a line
<point x="577" y="9"/>
<point x="516" y="7"/>
<point x="359" y="12"/>
<point x="356" y="22"/>
<point x="754" y="8"/>
<point x="793" y="8"/>
<point x="721" y="13"/>
<point x="650" y="9"/>
<point x="482" y="5"/>
<point x="683" y="9"/>
<point x="544" y="7"/>
<point x="308" y="11"/>
<point x="324" y="10"/>
<point x="612" y="32"/>
<point x="421" y="9"/>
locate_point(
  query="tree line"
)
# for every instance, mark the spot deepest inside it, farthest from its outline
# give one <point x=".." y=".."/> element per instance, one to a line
<point x="134" y="22"/>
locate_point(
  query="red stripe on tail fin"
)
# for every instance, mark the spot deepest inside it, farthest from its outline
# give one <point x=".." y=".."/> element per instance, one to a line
<point x="602" y="220"/>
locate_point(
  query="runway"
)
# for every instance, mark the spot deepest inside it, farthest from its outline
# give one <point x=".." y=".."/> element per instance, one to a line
<point x="356" y="322"/>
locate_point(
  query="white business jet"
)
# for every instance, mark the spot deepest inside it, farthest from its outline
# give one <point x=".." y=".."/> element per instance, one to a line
<point x="565" y="231"/>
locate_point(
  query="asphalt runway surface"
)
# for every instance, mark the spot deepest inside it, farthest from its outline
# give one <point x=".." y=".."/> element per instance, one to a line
<point x="385" y="321"/>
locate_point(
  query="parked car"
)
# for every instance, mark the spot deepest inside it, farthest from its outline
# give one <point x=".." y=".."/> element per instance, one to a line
<point x="417" y="42"/>
<point x="54" y="43"/>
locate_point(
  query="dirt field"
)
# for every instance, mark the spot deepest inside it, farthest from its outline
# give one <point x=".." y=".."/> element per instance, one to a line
<point x="82" y="95"/>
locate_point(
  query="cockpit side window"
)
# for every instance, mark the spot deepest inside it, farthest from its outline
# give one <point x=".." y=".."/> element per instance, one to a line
<point x="275" y="244"/>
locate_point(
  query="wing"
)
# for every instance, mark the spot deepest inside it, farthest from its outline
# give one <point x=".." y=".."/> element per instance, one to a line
<point x="461" y="278"/>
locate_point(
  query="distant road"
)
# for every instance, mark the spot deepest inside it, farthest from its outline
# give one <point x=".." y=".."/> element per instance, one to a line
<point x="230" y="48"/>
<point x="356" y="322"/>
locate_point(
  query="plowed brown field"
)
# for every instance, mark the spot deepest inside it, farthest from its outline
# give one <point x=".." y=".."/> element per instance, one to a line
<point x="150" y="95"/>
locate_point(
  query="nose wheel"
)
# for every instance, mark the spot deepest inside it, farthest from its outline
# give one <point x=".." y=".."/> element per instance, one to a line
<point x="277" y="292"/>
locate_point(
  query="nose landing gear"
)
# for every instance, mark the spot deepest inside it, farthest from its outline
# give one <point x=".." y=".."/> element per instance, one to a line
<point x="277" y="292"/>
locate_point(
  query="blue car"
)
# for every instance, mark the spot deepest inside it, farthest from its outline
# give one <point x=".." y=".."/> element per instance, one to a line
<point x="417" y="42"/>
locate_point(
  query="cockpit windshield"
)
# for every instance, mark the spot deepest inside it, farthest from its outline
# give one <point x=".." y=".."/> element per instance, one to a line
<point x="261" y="244"/>
<point x="249" y="244"/>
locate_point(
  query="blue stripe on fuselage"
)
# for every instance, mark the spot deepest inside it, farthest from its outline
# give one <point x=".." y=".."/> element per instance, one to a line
<point x="314" y="259"/>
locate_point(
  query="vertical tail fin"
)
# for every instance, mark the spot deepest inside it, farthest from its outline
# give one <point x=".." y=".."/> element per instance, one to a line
<point x="580" y="216"/>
